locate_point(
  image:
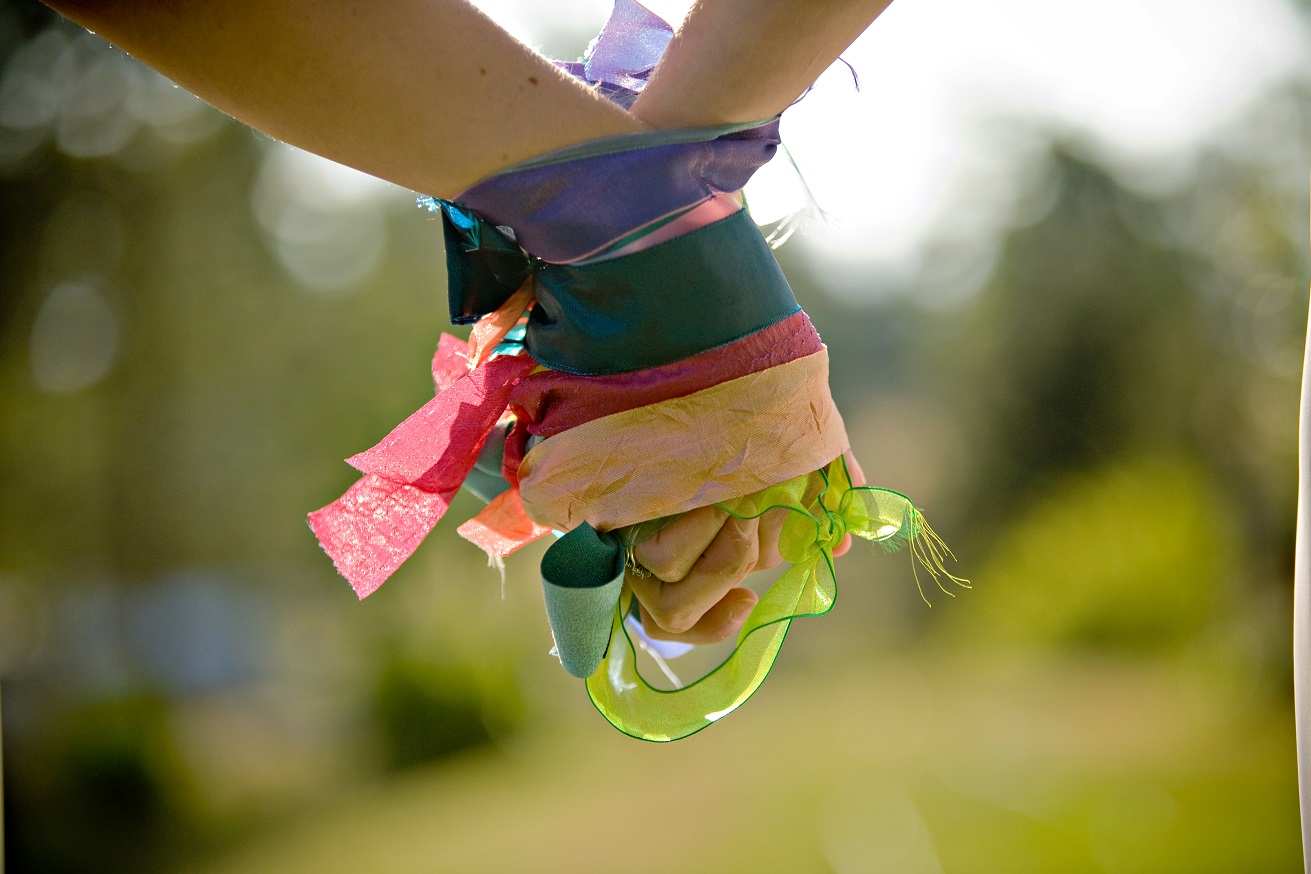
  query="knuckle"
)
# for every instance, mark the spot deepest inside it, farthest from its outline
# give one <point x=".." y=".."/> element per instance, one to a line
<point x="680" y="624"/>
<point x="674" y="619"/>
<point x="743" y="530"/>
<point x="665" y="566"/>
<point x="731" y="565"/>
<point x="671" y="570"/>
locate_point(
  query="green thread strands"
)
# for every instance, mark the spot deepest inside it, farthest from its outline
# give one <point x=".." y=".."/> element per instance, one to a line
<point x="822" y="509"/>
<point x="930" y="552"/>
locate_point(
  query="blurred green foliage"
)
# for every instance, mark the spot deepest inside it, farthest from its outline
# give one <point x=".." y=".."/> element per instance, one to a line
<point x="1138" y="554"/>
<point x="426" y="709"/>
<point x="425" y="713"/>
<point x="113" y="770"/>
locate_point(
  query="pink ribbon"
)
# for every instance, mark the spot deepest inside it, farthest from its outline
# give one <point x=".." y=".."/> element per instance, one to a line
<point x="412" y="475"/>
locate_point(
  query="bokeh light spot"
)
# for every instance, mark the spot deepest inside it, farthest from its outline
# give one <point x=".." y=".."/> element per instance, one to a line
<point x="74" y="338"/>
<point x="323" y="221"/>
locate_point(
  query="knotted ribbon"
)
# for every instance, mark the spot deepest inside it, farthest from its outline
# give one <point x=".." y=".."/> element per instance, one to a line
<point x="412" y="475"/>
<point x="662" y="378"/>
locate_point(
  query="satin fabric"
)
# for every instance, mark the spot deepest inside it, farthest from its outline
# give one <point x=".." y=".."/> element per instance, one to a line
<point x="548" y="402"/>
<point x="729" y="440"/>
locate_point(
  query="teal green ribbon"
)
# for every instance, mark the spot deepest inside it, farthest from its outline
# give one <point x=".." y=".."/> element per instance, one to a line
<point x="582" y="581"/>
<point x="676" y="299"/>
<point x="484" y="265"/>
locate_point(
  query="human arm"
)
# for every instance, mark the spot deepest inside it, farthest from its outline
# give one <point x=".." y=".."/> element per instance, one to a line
<point x="429" y="94"/>
<point x="744" y="60"/>
<point x="433" y="95"/>
<point x="418" y="114"/>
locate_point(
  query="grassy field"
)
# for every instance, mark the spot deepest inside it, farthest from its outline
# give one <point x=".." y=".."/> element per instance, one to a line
<point x="906" y="765"/>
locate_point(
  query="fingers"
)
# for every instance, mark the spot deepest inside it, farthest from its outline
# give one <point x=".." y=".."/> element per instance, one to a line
<point x="698" y="560"/>
<point x="678" y="605"/>
<point x="672" y="551"/>
<point x="842" y="547"/>
<point x="853" y="469"/>
<point x="722" y="621"/>
<point x="771" y="526"/>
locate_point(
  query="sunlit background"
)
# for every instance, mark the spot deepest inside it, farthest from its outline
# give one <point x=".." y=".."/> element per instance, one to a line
<point x="1059" y="252"/>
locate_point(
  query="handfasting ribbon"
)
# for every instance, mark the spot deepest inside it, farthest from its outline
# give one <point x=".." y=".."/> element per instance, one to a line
<point x="412" y="475"/>
<point x="687" y="452"/>
<point x="663" y="364"/>
<point x="812" y="530"/>
<point x="627" y="313"/>
<point x="627" y="49"/>
<point x="585" y="317"/>
<point x="547" y="399"/>
<point x="580" y="200"/>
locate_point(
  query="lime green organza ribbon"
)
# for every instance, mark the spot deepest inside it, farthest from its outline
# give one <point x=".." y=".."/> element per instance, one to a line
<point x="822" y="508"/>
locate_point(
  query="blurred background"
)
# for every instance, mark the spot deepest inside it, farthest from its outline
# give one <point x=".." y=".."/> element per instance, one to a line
<point x="1059" y="253"/>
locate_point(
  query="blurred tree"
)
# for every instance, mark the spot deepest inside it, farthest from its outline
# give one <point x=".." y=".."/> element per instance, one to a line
<point x="106" y="790"/>
<point x="425" y="711"/>
<point x="1129" y="394"/>
<point x="183" y="358"/>
<point x="1086" y="343"/>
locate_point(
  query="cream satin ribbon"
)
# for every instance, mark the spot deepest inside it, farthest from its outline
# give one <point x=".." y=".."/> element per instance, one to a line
<point x="720" y="443"/>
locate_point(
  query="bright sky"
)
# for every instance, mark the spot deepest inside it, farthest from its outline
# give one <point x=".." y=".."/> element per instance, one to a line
<point x="1148" y="79"/>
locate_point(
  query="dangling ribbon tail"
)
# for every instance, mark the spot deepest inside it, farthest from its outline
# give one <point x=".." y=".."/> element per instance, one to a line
<point x="411" y="476"/>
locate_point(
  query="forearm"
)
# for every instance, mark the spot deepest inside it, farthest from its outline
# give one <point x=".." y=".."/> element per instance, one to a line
<point x="743" y="60"/>
<point x="430" y="94"/>
<point x="433" y="95"/>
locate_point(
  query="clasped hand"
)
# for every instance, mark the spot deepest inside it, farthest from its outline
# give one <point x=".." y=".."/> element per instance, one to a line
<point x="691" y="594"/>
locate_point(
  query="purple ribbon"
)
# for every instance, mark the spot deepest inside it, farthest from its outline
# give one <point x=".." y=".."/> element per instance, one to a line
<point x="629" y="46"/>
<point x="580" y="200"/>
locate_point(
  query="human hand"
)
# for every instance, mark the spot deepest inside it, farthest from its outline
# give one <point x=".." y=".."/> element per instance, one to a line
<point x="696" y="562"/>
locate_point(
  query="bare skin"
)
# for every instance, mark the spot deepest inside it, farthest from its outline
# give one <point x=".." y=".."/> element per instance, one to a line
<point x="743" y="60"/>
<point x="433" y="95"/>
<point x="696" y="563"/>
<point x="429" y="94"/>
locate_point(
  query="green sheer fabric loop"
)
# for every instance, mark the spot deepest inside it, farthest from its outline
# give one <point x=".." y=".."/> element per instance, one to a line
<point x="818" y="519"/>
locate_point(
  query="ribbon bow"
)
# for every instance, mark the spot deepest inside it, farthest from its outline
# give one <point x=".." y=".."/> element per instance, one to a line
<point x="484" y="264"/>
<point x="815" y="526"/>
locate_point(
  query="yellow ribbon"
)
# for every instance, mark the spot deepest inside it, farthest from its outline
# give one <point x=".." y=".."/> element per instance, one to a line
<point x="823" y="508"/>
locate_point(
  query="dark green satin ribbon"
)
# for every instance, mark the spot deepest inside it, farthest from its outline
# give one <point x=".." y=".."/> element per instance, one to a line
<point x="484" y="265"/>
<point x="582" y="577"/>
<point x="695" y="292"/>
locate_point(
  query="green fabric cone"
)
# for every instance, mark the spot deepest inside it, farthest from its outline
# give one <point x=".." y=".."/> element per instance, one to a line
<point x="582" y="577"/>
